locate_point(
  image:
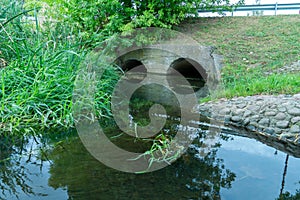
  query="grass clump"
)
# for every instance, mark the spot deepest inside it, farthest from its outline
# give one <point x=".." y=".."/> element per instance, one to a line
<point x="36" y="83"/>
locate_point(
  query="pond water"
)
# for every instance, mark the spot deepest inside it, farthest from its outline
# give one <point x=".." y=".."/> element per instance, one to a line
<point x="57" y="166"/>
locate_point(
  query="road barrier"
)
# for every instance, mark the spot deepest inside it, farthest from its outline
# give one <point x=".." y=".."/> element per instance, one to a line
<point x="261" y="7"/>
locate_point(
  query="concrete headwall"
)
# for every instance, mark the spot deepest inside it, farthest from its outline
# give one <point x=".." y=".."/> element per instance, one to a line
<point x="196" y="63"/>
<point x="192" y="61"/>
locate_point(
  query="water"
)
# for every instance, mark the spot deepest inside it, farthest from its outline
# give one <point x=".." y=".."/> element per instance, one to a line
<point x="259" y="170"/>
<point x="59" y="167"/>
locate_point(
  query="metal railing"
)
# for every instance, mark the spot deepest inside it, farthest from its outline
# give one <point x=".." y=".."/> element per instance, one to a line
<point x="261" y="7"/>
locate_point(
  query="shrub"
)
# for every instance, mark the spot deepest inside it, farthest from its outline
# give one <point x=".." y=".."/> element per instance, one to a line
<point x="99" y="19"/>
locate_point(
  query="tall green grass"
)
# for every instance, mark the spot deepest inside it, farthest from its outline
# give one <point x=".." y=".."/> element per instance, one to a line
<point x="36" y="85"/>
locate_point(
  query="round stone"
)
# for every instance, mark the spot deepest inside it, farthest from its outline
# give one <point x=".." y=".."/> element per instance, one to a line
<point x="255" y="117"/>
<point x="246" y="122"/>
<point x="287" y="104"/>
<point x="286" y="135"/>
<point x="295" y="129"/>
<point x="297" y="96"/>
<point x="270" y="113"/>
<point x="277" y="131"/>
<point x="225" y="111"/>
<point x="270" y="131"/>
<point x="259" y="102"/>
<point x="254" y="124"/>
<point x="227" y="119"/>
<point x="251" y="127"/>
<point x="294" y="111"/>
<point x="247" y="113"/>
<point x="236" y="119"/>
<point x="280" y="116"/>
<point x="281" y="109"/>
<point x="294" y="120"/>
<point x="241" y="105"/>
<point x="238" y="112"/>
<point x="264" y="121"/>
<point x="253" y="108"/>
<point x="282" y="124"/>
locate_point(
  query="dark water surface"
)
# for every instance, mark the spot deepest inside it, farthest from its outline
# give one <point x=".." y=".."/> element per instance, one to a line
<point x="61" y="168"/>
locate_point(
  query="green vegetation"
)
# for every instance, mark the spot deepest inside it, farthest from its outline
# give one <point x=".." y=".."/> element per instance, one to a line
<point x="36" y="85"/>
<point x="39" y="58"/>
<point x="101" y="18"/>
<point x="252" y="46"/>
<point x="39" y="70"/>
<point x="43" y="42"/>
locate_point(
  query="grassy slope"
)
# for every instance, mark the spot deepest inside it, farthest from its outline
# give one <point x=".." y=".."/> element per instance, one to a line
<point x="250" y="46"/>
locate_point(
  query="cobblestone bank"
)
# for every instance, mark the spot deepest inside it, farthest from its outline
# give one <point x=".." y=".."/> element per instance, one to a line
<point x="278" y="116"/>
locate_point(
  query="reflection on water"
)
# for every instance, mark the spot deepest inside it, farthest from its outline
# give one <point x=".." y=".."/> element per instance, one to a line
<point x="23" y="171"/>
<point x="86" y="178"/>
<point x="259" y="170"/>
<point x="241" y="168"/>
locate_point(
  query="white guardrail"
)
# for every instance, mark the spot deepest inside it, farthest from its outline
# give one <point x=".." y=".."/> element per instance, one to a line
<point x="262" y="7"/>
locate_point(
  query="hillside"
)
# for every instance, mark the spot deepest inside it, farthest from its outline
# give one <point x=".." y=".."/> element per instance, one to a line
<point x="254" y="50"/>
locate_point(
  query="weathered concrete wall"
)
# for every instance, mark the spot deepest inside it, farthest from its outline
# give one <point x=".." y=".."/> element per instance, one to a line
<point x="167" y="54"/>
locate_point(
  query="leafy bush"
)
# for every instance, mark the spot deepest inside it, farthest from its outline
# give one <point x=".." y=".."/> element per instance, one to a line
<point x="100" y="18"/>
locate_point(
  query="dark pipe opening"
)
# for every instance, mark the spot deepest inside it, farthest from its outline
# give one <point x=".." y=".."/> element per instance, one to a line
<point x="132" y="63"/>
<point x="189" y="68"/>
<point x="192" y="71"/>
<point x="136" y="70"/>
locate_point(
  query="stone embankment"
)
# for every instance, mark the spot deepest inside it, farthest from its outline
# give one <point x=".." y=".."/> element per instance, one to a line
<point x="277" y="116"/>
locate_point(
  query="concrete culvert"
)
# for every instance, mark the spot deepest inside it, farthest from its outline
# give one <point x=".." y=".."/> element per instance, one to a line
<point x="195" y="65"/>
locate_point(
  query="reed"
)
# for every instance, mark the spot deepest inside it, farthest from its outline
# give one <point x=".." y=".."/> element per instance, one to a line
<point x="37" y="81"/>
